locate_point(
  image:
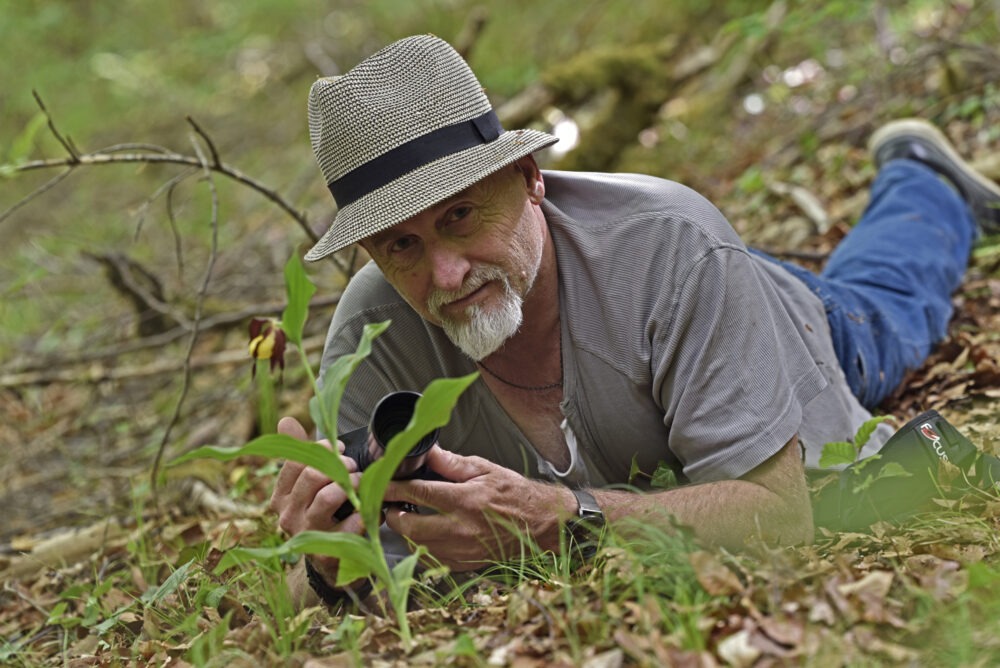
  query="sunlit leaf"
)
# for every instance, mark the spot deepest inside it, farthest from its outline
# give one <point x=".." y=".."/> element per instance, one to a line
<point x="300" y="290"/>
<point x="169" y="586"/>
<point x="356" y="555"/>
<point x="325" y="406"/>
<point x="866" y="430"/>
<point x="836" y="454"/>
<point x="281" y="446"/>
<point x="433" y="410"/>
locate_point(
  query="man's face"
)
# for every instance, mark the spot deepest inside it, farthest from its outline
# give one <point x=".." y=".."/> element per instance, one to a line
<point x="467" y="263"/>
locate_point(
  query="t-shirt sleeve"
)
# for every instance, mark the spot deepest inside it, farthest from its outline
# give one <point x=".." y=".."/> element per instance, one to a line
<point x="730" y="370"/>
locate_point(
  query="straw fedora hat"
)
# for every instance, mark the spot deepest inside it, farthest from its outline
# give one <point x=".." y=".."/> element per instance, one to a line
<point x="403" y="130"/>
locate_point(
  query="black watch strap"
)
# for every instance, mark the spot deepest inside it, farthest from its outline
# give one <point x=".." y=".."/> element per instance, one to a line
<point x="334" y="597"/>
<point x="584" y="530"/>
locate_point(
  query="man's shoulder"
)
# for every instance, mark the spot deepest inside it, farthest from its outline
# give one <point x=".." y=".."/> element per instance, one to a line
<point x="602" y="199"/>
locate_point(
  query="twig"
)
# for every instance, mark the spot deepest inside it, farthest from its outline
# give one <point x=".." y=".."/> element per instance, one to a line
<point x="40" y="190"/>
<point x="199" y="304"/>
<point x="211" y="145"/>
<point x="73" y="155"/>
<point x="23" y="371"/>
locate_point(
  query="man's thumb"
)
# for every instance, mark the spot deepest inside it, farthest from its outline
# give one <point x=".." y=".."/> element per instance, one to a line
<point x="289" y="426"/>
<point x="453" y="467"/>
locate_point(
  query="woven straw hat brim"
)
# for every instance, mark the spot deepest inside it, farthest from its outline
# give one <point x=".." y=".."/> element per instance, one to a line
<point x="423" y="188"/>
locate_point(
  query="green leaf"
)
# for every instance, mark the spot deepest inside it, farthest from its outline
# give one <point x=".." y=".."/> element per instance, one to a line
<point x="837" y="453"/>
<point x="663" y="477"/>
<point x="864" y="485"/>
<point x="283" y="446"/>
<point x="356" y="555"/>
<point x="402" y="573"/>
<point x="862" y="464"/>
<point x="893" y="470"/>
<point x="634" y="471"/>
<point x="21" y="146"/>
<point x="170" y="585"/>
<point x="267" y="407"/>
<point x="300" y="290"/>
<point x="433" y="410"/>
<point x="866" y="430"/>
<point x="325" y="406"/>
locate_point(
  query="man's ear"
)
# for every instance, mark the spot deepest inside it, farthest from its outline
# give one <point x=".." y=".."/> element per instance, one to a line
<point x="533" y="181"/>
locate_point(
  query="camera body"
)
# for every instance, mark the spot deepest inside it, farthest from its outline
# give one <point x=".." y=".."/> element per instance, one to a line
<point x="365" y="445"/>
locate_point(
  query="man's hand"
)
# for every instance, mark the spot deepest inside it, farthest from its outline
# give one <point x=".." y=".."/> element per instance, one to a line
<point x="484" y="511"/>
<point x="305" y="499"/>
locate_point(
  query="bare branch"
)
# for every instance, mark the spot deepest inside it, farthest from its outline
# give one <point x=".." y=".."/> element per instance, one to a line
<point x="41" y="190"/>
<point x="152" y="154"/>
<point x="73" y="155"/>
<point x="22" y="373"/>
<point x="211" y="145"/>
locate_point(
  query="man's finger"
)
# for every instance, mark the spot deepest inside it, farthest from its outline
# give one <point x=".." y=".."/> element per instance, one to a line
<point x="289" y="426"/>
<point x="454" y="467"/>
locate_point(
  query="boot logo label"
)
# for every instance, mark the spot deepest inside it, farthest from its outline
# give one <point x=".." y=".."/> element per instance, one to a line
<point x="927" y="431"/>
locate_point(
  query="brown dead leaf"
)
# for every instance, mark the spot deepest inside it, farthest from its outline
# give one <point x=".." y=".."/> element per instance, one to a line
<point x="714" y="577"/>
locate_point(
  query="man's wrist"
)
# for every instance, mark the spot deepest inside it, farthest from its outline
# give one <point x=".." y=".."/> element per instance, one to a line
<point x="584" y="528"/>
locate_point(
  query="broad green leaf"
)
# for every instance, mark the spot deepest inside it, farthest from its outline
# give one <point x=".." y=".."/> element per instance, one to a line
<point x="663" y="477"/>
<point x="325" y="406"/>
<point x="282" y="446"/>
<point x="837" y="453"/>
<point x="866" y="430"/>
<point x="433" y="410"/>
<point x="300" y="290"/>
<point x="170" y="585"/>
<point x="356" y="554"/>
<point x="402" y="573"/>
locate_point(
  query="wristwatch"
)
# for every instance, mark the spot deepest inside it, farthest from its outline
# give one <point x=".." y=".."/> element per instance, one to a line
<point x="583" y="531"/>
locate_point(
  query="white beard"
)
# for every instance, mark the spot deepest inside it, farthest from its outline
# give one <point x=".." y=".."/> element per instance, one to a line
<point x="485" y="330"/>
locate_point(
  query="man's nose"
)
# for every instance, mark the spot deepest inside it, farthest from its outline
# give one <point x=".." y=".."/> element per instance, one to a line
<point x="449" y="267"/>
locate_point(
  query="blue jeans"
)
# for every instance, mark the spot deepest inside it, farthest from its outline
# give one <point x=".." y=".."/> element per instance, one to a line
<point x="887" y="287"/>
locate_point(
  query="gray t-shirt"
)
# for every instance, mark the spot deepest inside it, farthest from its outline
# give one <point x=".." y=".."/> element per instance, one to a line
<point x="679" y="346"/>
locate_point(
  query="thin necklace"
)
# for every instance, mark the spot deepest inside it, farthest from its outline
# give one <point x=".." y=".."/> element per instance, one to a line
<point x="529" y="388"/>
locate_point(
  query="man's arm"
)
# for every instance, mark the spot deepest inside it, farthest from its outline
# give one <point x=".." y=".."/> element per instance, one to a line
<point x="486" y="505"/>
<point x="770" y="503"/>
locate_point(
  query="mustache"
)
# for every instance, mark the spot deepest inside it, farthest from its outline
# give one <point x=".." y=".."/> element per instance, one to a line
<point x="477" y="279"/>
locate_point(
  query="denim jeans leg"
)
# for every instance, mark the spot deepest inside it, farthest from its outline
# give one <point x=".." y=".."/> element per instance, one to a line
<point x="887" y="287"/>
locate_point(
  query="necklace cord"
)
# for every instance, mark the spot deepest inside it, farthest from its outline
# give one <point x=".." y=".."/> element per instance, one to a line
<point x="528" y="388"/>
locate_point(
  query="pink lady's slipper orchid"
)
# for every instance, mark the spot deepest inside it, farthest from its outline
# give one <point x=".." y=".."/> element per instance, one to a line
<point x="267" y="341"/>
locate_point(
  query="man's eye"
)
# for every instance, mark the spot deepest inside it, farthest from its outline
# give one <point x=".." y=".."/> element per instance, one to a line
<point x="402" y="244"/>
<point x="460" y="220"/>
<point x="459" y="213"/>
